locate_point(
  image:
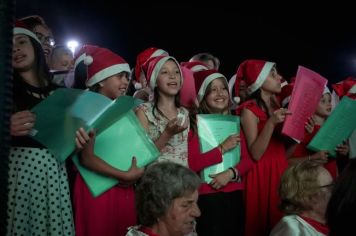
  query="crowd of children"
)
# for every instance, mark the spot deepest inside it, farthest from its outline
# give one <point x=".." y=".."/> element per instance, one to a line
<point x="243" y="199"/>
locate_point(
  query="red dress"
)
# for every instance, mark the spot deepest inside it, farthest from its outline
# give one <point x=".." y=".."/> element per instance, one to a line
<point x="109" y="214"/>
<point x="262" y="182"/>
<point x="302" y="151"/>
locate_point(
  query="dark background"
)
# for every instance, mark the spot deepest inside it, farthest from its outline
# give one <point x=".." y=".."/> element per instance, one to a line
<point x="321" y="38"/>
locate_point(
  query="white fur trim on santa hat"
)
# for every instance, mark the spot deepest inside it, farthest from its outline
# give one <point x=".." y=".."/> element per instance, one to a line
<point x="88" y="60"/>
<point x="232" y="82"/>
<point x="158" y="66"/>
<point x="326" y="90"/>
<point x="261" y="77"/>
<point x="352" y="89"/>
<point x="158" y="52"/>
<point x="206" y="83"/>
<point x="18" y="30"/>
<point x="107" y="72"/>
<point x="138" y="85"/>
<point x="79" y="60"/>
<point x="197" y="68"/>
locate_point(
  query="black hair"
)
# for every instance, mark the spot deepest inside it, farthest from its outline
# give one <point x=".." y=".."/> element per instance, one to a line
<point x="41" y="69"/>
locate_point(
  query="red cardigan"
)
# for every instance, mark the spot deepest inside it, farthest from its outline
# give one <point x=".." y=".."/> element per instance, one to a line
<point x="198" y="161"/>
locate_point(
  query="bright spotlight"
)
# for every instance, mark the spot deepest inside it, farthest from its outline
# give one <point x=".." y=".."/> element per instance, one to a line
<point x="72" y="45"/>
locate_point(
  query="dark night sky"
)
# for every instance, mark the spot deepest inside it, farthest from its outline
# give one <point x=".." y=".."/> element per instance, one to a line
<point x="324" y="41"/>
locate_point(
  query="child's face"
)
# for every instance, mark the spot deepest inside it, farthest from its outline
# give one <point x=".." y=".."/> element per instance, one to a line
<point x="217" y="98"/>
<point x="114" y="86"/>
<point x="324" y="106"/>
<point x="64" y="62"/>
<point x="273" y="82"/>
<point x="169" y="79"/>
<point x="23" y="54"/>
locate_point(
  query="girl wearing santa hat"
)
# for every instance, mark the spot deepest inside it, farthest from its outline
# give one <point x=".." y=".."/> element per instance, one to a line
<point x="112" y="212"/>
<point x="301" y="153"/>
<point x="140" y="82"/>
<point x="260" y="117"/>
<point x="188" y="89"/>
<point x="38" y="201"/>
<point x="165" y="121"/>
<point x="220" y="201"/>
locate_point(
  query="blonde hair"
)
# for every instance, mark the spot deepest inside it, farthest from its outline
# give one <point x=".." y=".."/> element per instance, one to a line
<point x="299" y="186"/>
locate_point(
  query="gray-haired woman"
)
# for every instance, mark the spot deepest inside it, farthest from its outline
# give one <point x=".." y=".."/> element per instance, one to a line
<point x="305" y="191"/>
<point x="166" y="201"/>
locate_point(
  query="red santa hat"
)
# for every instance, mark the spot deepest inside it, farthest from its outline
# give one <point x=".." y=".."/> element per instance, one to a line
<point x="142" y="57"/>
<point x="194" y="66"/>
<point x="254" y="73"/>
<point x="152" y="67"/>
<point x="81" y="55"/>
<point x="202" y="80"/>
<point x="22" y="28"/>
<point x="235" y="99"/>
<point x="103" y="63"/>
<point x="345" y="87"/>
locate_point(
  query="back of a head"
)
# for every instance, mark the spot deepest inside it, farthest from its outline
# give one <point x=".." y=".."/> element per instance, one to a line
<point x="61" y="58"/>
<point x="341" y="211"/>
<point x="161" y="183"/>
<point x="298" y="187"/>
<point x="205" y="58"/>
<point x="33" y="20"/>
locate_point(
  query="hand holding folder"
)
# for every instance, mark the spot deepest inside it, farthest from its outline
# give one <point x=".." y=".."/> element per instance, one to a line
<point x="212" y="130"/>
<point x="307" y="91"/>
<point x="125" y="139"/>
<point x="338" y="127"/>
<point x="66" y="110"/>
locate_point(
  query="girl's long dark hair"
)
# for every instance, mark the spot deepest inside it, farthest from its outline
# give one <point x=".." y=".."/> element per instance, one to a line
<point x="41" y="69"/>
<point x="155" y="102"/>
<point x="261" y="103"/>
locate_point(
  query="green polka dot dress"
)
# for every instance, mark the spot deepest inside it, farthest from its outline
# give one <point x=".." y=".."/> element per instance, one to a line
<point x="39" y="200"/>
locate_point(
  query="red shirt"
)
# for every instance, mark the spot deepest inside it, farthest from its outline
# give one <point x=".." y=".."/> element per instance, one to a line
<point x="147" y="231"/>
<point x="197" y="161"/>
<point x="320" y="227"/>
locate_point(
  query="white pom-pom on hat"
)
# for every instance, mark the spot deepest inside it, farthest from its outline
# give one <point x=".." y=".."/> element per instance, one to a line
<point x="88" y="60"/>
<point x="236" y="100"/>
<point x="138" y="86"/>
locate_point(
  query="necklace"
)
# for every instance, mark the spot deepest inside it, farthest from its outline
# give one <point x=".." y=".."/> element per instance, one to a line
<point x="162" y="114"/>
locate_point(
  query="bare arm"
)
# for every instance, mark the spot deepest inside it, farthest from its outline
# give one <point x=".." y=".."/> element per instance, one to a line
<point x="258" y="143"/>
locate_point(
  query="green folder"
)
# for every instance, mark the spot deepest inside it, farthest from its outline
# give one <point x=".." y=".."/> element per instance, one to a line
<point x="338" y="127"/>
<point x="213" y="129"/>
<point x="60" y="115"/>
<point x="116" y="146"/>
